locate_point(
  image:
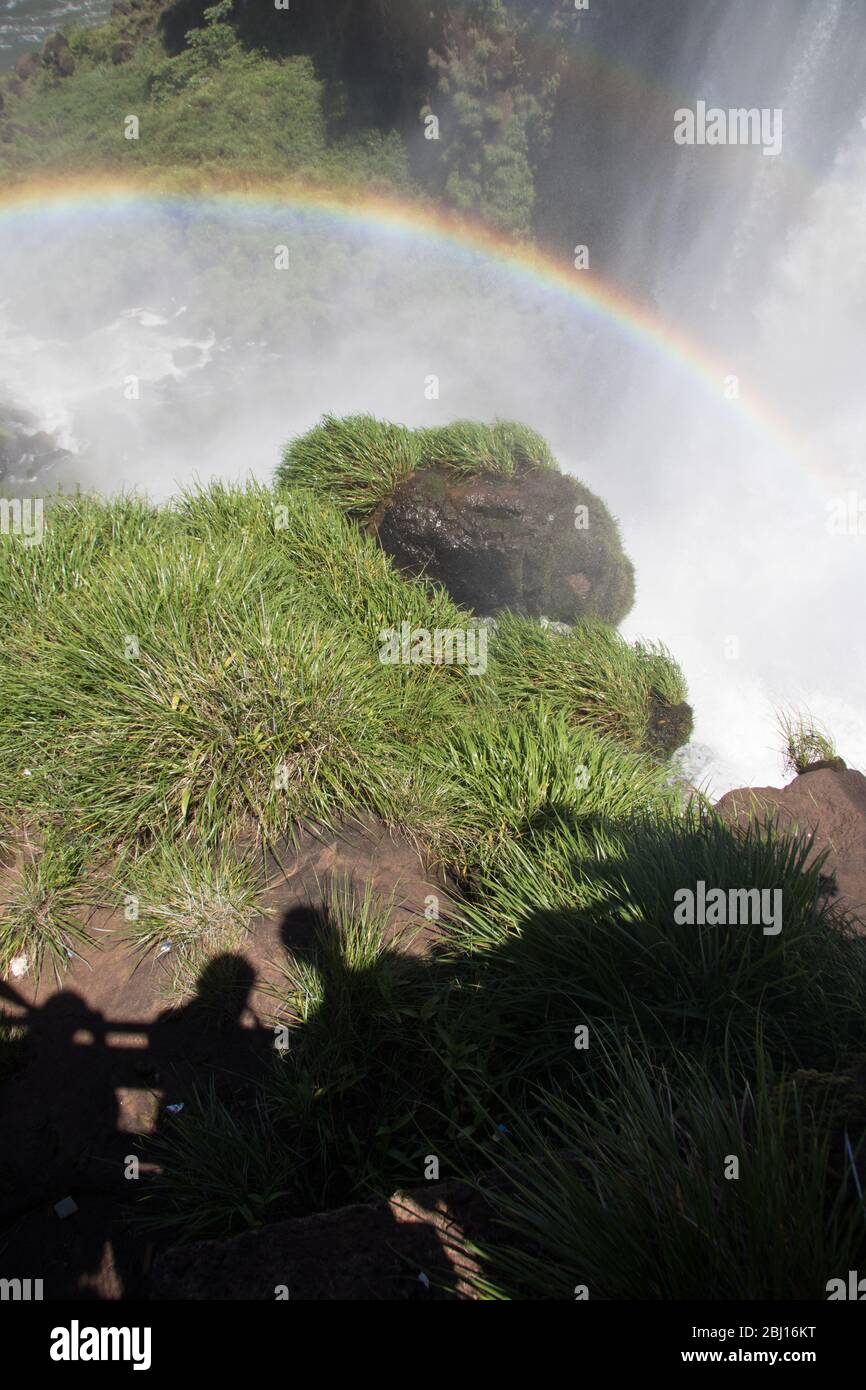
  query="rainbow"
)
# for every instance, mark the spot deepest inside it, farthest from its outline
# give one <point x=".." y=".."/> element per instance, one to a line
<point x="600" y="298"/>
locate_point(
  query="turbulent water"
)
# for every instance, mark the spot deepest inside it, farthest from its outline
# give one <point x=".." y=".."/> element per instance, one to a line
<point x="26" y="24"/>
<point x="163" y="345"/>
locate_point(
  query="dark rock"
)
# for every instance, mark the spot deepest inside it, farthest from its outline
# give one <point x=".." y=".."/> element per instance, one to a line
<point x="497" y="542"/>
<point x="373" y="1252"/>
<point x="834" y="765"/>
<point x="669" y="727"/>
<point x="25" y="452"/>
<point x="122" y="52"/>
<point x="57" y="55"/>
<point x="830" y="806"/>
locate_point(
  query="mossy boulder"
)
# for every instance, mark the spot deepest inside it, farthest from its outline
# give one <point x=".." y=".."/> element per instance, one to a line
<point x="480" y="508"/>
<point x="500" y="543"/>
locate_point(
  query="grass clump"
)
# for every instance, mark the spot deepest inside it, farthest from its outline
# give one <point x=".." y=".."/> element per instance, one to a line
<point x="467" y="447"/>
<point x="579" y="923"/>
<point x="591" y="675"/>
<point x="187" y="668"/>
<point x="392" y="1058"/>
<point x="549" y="547"/>
<point x="505" y="779"/>
<point x="633" y="1197"/>
<point x="188" y="682"/>
<point x="228" y="1173"/>
<point x="805" y="743"/>
<point x="187" y="905"/>
<point x="357" y="462"/>
<point x="43" y="908"/>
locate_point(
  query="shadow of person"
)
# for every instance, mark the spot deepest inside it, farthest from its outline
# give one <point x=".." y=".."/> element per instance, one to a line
<point x="59" y="1128"/>
<point x="62" y="1133"/>
<point x="58" y="1102"/>
<point x="215" y="1040"/>
<point x="359" y="1094"/>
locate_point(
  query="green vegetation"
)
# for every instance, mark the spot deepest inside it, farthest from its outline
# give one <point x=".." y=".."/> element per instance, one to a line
<point x="339" y="96"/>
<point x="569" y="671"/>
<point x="42" y="906"/>
<point x="496" y="81"/>
<point x="357" y="462"/>
<point x="630" y="1197"/>
<point x="190" y="904"/>
<point x="183" y="685"/>
<point x="467" y="447"/>
<point x="805" y="743"/>
<point x="537" y="558"/>
<point x="216" y="109"/>
<point x="697" y="1044"/>
<point x="202" y="666"/>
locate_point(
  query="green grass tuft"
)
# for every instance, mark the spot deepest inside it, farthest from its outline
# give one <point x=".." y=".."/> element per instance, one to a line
<point x="805" y="742"/>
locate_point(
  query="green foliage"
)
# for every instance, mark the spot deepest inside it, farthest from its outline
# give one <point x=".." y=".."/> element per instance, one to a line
<point x="496" y="83"/>
<point x="215" y="108"/>
<point x="631" y="1199"/>
<point x="92" y="43"/>
<point x="181" y="670"/>
<point x="197" y="901"/>
<point x="591" y="675"/>
<point x="692" y="1042"/>
<point x="580" y="918"/>
<point x="507" y="776"/>
<point x="356" y="462"/>
<point x="43" y="916"/>
<point x="227" y="1174"/>
<point x="805" y="742"/>
<point x="468" y="446"/>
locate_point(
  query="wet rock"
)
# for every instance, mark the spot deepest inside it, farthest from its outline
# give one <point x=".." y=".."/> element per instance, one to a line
<point x="669" y="727"/>
<point x="828" y="804"/>
<point x="57" y="55"/>
<point x="26" y="453"/>
<point x="518" y="543"/>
